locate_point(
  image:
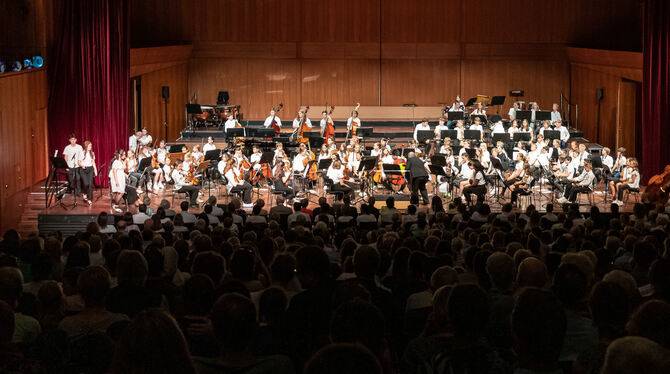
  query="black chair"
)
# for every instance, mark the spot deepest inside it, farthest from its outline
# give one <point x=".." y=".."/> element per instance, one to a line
<point x="338" y="195"/>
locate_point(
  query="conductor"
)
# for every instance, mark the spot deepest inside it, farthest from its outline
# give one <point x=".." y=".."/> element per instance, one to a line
<point x="419" y="178"/>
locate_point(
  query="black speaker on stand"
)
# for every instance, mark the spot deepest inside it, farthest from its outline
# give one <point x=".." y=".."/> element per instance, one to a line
<point x="165" y="93"/>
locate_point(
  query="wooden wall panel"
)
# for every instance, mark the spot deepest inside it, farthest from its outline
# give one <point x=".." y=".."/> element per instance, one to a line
<point x="23" y="138"/>
<point x="627" y="116"/>
<point x="424" y="21"/>
<point x="153" y="106"/>
<point x="340" y="82"/>
<point x="420" y="82"/>
<point x="584" y="85"/>
<point x="542" y="81"/>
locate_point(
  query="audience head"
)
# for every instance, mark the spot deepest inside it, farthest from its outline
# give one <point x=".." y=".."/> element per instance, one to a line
<point x="234" y="322"/>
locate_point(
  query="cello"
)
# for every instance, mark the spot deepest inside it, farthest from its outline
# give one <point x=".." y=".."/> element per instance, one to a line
<point x="273" y="123"/>
<point x="658" y="188"/>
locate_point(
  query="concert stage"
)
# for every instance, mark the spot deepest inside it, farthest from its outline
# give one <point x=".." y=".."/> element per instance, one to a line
<point x="36" y="217"/>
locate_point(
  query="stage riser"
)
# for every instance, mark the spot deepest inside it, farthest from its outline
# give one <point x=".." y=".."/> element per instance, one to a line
<point x="68" y="224"/>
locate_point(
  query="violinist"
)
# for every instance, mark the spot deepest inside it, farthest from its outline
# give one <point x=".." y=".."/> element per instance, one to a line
<point x="518" y="171"/>
<point x="268" y="121"/>
<point x="383" y="144"/>
<point x="476" y="184"/>
<point x="376" y="150"/>
<point x="522" y="182"/>
<point x="336" y="174"/>
<point x="332" y="147"/>
<point x="630" y="181"/>
<point x="619" y="164"/>
<point x="457" y="105"/>
<point x="484" y="155"/>
<point x="145" y="139"/>
<point x="131" y="165"/>
<point x="282" y="174"/>
<point x="279" y="147"/>
<point x="154" y="168"/>
<point x="299" y="166"/>
<point x="183" y="185"/>
<point x="236" y="183"/>
<point x="196" y="155"/>
<point x="479" y="110"/>
<point x="323" y="153"/>
<point x="582" y="183"/>
<point x="161" y="152"/>
<point x="563" y="171"/>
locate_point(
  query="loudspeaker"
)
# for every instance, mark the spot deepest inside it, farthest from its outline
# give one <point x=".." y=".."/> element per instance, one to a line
<point x="165" y="92"/>
<point x="600" y="93"/>
<point x="222" y="98"/>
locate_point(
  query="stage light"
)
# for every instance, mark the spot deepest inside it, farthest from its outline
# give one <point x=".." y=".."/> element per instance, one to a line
<point x="2" y="67"/>
<point x="27" y="64"/>
<point x="38" y="61"/>
<point x="16" y="66"/>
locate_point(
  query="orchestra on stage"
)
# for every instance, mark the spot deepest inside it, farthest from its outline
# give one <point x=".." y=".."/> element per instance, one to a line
<point x="465" y="154"/>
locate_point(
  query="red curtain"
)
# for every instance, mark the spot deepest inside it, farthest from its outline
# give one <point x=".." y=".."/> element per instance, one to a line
<point x="90" y="78"/>
<point x="656" y="88"/>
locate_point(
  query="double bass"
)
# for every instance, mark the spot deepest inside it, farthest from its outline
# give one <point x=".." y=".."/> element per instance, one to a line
<point x="274" y="123"/>
<point x="658" y="188"/>
<point x="298" y="133"/>
<point x="352" y="129"/>
<point x="329" y="131"/>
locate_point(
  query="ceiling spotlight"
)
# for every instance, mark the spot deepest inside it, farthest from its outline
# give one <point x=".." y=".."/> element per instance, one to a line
<point x="16" y="66"/>
<point x="27" y="64"/>
<point x="38" y="62"/>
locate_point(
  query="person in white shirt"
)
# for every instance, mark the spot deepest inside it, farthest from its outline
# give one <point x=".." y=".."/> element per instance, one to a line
<point x="633" y="181"/>
<point x="479" y="110"/>
<point x="117" y="179"/>
<point x="182" y="185"/>
<point x="485" y="156"/>
<point x="441" y="126"/>
<point x="555" y="114"/>
<point x="457" y="105"/>
<point x="498" y="128"/>
<point x="161" y="152"/>
<point x="73" y="154"/>
<point x="582" y="183"/>
<point x="236" y="182"/>
<point x="459" y="129"/>
<point x="134" y="140"/>
<point x="463" y="177"/>
<point x="326" y="131"/>
<point x="88" y="170"/>
<point x="423" y="126"/>
<point x="231" y="123"/>
<point x="141" y="216"/>
<point x="336" y="174"/>
<point x="545" y="126"/>
<point x="477" y="125"/>
<point x="268" y="120"/>
<point x="512" y="111"/>
<point x="296" y="122"/>
<point x="376" y="150"/>
<point x="210" y="146"/>
<point x="565" y="134"/>
<point x="583" y="155"/>
<point x="534" y="108"/>
<point x="606" y="159"/>
<point x="146" y="139"/>
<point x="353" y="123"/>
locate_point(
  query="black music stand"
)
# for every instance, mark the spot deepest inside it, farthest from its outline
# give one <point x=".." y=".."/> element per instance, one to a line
<point x="438" y="160"/>
<point x="213" y="155"/>
<point x="455" y="116"/>
<point x="500" y="137"/>
<point x="472" y="134"/>
<point x="497" y="100"/>
<point x="472" y="153"/>
<point x="55" y="186"/>
<point x="521" y="136"/>
<point x="265" y="132"/>
<point x="471" y="102"/>
<point x="314" y="138"/>
<point x="451" y="134"/>
<point x="175" y="148"/>
<point x="364" y="132"/>
<point x="235" y="132"/>
<point x="552" y="134"/>
<point x="542" y="115"/>
<point x="423" y="135"/>
<point x="143" y="167"/>
<point x="438" y="171"/>
<point x="325" y="163"/>
<point x="523" y="114"/>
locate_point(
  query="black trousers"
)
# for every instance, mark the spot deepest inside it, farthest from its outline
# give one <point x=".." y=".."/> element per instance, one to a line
<point x="86" y="175"/>
<point x="131" y="195"/>
<point x="572" y="190"/>
<point x="516" y="192"/>
<point x="479" y="191"/>
<point x="245" y="188"/>
<point x="623" y="188"/>
<point x="192" y="192"/>
<point x="419" y="186"/>
<point x="73" y="177"/>
<point x="281" y="186"/>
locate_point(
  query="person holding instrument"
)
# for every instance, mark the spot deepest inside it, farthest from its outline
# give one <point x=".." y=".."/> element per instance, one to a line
<point x="336" y="174"/>
<point x="353" y="123"/>
<point x="182" y="185"/>
<point x="272" y="117"/>
<point x="235" y="181"/>
<point x="477" y="184"/>
<point x="282" y="174"/>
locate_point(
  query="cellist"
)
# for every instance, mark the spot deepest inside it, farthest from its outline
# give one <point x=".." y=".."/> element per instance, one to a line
<point x="282" y="174"/>
<point x="327" y="125"/>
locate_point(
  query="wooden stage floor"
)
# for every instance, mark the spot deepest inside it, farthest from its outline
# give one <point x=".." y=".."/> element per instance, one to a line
<point x="35" y="204"/>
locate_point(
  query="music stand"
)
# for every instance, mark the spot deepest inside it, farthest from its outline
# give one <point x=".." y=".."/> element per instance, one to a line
<point x="175" y="148"/>
<point x="364" y="132"/>
<point x="54" y="185"/>
<point x="472" y="134"/>
<point x="455" y="116"/>
<point x="325" y="163"/>
<point x="500" y="137"/>
<point x="439" y="160"/>
<point x="523" y="114"/>
<point x="497" y="100"/>
<point x="472" y="153"/>
<point x="552" y="134"/>
<point x="542" y="115"/>
<point x="451" y="134"/>
<point x="235" y="132"/>
<point x="521" y="136"/>
<point x="471" y="102"/>
<point x="142" y="167"/>
<point x="314" y="139"/>
<point x="423" y="135"/>
<point x="368" y="163"/>
<point x="213" y="155"/>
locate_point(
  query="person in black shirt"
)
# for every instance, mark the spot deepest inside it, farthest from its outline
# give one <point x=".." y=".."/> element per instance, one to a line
<point x="419" y="178"/>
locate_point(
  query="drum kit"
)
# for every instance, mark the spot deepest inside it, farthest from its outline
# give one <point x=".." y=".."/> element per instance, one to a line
<point x="213" y="116"/>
